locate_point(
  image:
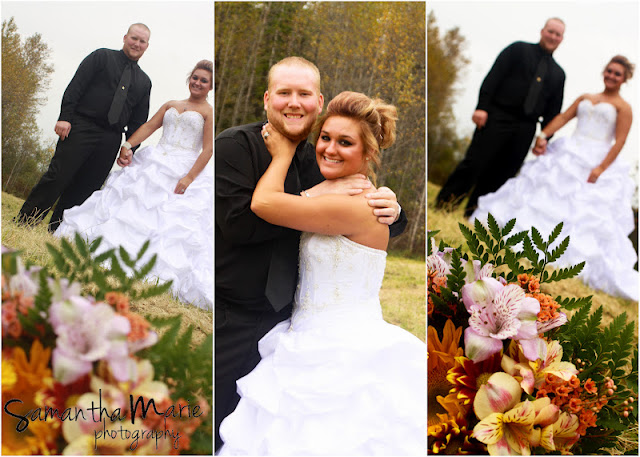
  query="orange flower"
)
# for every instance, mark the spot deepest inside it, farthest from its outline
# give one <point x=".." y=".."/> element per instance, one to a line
<point x="118" y="300"/>
<point x="453" y="436"/>
<point x="548" y="306"/>
<point x="563" y="391"/>
<point x="440" y="358"/>
<point x="32" y="376"/>
<point x="530" y="284"/>
<point x="139" y="326"/>
<point x="590" y="386"/>
<point x="575" y="405"/>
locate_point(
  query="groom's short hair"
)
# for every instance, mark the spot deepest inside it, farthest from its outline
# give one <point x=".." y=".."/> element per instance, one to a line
<point x="138" y="24"/>
<point x="554" y="19"/>
<point x="294" y="61"/>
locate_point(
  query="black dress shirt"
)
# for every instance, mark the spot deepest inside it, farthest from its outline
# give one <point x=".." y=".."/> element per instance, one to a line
<point x="244" y="242"/>
<point x="507" y="84"/>
<point x="90" y="92"/>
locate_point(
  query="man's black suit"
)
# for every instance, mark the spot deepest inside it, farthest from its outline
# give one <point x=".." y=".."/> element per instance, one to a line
<point x="498" y="149"/>
<point x="244" y="247"/>
<point x="83" y="160"/>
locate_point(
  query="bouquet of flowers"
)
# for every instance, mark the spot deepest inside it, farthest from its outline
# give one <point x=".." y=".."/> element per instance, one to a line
<point x="84" y="374"/>
<point x="524" y="379"/>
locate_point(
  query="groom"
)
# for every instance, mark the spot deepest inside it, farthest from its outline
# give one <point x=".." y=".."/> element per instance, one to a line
<point x="524" y="84"/>
<point x="108" y="93"/>
<point x="256" y="262"/>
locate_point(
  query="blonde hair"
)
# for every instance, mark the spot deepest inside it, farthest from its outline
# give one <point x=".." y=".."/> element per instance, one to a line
<point x="293" y="61"/>
<point x="628" y="66"/>
<point x="202" y="65"/>
<point x="377" y="121"/>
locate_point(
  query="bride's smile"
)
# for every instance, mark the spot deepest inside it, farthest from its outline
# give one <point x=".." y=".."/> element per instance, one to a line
<point x="339" y="149"/>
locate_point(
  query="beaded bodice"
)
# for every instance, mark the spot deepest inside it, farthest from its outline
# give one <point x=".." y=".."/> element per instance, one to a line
<point x="337" y="277"/>
<point x="596" y="122"/>
<point x="182" y="130"/>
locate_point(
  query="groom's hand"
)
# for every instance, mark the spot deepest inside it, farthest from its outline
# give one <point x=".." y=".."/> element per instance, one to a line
<point x="385" y="204"/>
<point x="62" y="129"/>
<point x="480" y="117"/>
<point x="347" y="185"/>
<point x="125" y="157"/>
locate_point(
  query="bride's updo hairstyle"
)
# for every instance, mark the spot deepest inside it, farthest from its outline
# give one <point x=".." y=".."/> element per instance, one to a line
<point x="377" y="122"/>
<point x="628" y="66"/>
<point x="202" y="65"/>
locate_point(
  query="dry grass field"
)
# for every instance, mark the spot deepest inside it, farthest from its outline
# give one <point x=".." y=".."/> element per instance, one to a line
<point x="447" y="223"/>
<point x="31" y="242"/>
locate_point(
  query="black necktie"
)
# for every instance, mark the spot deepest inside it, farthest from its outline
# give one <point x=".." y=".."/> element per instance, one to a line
<point x="120" y="95"/>
<point x="283" y="269"/>
<point x="536" y="87"/>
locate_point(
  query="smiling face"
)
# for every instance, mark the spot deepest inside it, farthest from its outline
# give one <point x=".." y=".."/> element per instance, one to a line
<point x="200" y="83"/>
<point x="614" y="76"/>
<point x="551" y="35"/>
<point x="293" y="100"/>
<point x="340" y="149"/>
<point x="135" y="42"/>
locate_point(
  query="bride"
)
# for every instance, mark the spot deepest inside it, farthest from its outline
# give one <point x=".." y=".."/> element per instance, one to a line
<point x="579" y="181"/>
<point x="163" y="194"/>
<point x="335" y="379"/>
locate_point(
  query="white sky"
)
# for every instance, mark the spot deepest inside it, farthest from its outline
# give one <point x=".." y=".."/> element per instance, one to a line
<point x="595" y="32"/>
<point x="181" y="35"/>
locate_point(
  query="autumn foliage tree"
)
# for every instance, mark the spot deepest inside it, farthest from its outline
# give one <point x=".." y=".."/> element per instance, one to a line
<point x="377" y="48"/>
<point x="445" y="63"/>
<point x="25" y="76"/>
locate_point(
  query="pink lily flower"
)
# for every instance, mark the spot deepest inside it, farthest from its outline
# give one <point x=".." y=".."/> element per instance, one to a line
<point x="500" y="312"/>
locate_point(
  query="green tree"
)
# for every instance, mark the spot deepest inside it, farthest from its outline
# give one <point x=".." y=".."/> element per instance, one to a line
<point x="445" y="63"/>
<point x="26" y="74"/>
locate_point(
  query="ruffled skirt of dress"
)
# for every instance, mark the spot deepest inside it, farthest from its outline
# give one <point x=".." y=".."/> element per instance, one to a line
<point x="597" y="217"/>
<point x="138" y="204"/>
<point x="352" y="389"/>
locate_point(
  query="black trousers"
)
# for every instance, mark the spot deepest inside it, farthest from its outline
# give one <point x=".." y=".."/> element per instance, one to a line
<point x="237" y="333"/>
<point x="79" y="167"/>
<point x="495" y="154"/>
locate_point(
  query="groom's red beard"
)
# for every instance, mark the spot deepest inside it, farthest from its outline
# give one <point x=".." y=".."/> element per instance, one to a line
<point x="296" y="134"/>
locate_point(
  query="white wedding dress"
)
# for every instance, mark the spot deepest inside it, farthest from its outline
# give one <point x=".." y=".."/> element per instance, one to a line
<point x="335" y="379"/>
<point x="598" y="217"/>
<point x="138" y="203"/>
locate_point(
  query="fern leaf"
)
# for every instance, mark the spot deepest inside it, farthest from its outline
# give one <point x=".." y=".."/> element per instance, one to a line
<point x="559" y="250"/>
<point x="508" y="227"/>
<point x="143" y="249"/>
<point x="537" y="239"/>
<point x="67" y="250"/>
<point x="555" y="233"/>
<point x="494" y="229"/>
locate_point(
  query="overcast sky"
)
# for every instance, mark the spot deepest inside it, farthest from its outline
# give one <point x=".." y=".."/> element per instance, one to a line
<point x="181" y="35"/>
<point x="595" y="32"/>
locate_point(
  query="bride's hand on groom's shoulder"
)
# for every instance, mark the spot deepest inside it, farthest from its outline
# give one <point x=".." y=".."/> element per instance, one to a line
<point x="277" y="144"/>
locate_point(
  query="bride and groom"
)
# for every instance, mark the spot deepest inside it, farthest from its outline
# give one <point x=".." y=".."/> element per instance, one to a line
<point x="577" y="181"/>
<point x="305" y="364"/>
<point x="163" y="193"/>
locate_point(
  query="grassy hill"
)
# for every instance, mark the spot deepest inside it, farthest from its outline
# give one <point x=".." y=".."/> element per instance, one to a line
<point x="447" y="223"/>
<point x="31" y="241"/>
